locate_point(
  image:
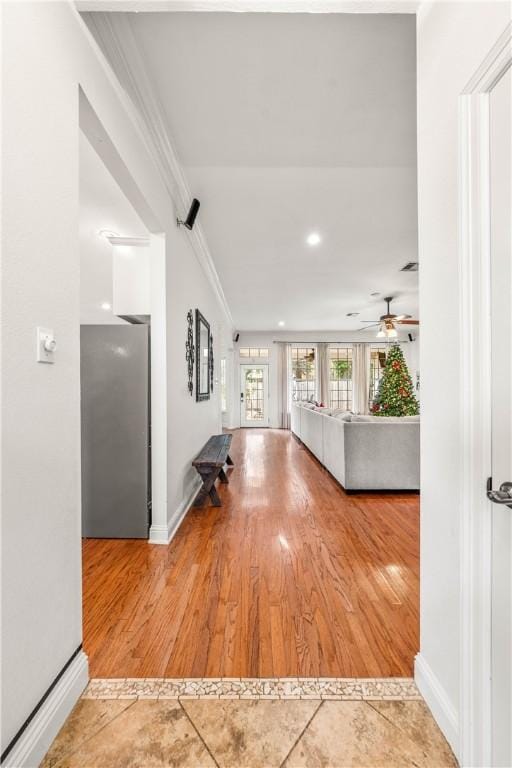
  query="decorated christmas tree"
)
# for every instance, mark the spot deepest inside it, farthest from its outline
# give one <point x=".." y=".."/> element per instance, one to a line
<point x="395" y="396"/>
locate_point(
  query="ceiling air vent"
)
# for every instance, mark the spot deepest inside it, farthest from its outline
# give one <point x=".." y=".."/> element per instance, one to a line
<point x="411" y="266"/>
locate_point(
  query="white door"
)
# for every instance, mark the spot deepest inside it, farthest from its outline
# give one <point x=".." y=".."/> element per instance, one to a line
<point x="254" y="395"/>
<point x="500" y="104"/>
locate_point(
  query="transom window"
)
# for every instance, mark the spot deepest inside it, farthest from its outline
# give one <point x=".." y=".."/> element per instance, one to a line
<point x="303" y="373"/>
<point x="253" y="352"/>
<point x="377" y="363"/>
<point x="340" y="378"/>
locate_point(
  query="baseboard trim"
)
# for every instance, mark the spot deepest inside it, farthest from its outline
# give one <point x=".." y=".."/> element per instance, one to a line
<point x="163" y="534"/>
<point x="159" y="534"/>
<point x="35" y="740"/>
<point x="438" y="702"/>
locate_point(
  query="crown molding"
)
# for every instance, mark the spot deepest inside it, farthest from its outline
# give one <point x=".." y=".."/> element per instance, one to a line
<point x="251" y="6"/>
<point x="115" y="35"/>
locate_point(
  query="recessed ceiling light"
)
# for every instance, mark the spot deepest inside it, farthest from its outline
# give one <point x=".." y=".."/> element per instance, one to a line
<point x="375" y="293"/>
<point x="281" y="323"/>
<point x="353" y="314"/>
<point x="313" y="238"/>
<point x="106" y="306"/>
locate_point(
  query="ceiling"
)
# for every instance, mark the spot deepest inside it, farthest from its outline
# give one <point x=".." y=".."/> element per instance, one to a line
<point x="287" y="124"/>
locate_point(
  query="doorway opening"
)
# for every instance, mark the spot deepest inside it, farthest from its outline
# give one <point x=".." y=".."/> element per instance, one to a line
<point x="292" y="575"/>
<point x="254" y="395"/>
<point x="115" y="321"/>
<point x="123" y="371"/>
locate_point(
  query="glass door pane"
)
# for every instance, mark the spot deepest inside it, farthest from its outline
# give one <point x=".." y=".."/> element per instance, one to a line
<point x="254" y="395"/>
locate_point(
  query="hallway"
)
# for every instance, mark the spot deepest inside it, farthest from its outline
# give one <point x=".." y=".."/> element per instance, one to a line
<point x="290" y="577"/>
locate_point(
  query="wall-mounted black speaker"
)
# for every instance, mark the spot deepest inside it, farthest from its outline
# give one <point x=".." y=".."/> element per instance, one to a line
<point x="191" y="216"/>
<point x="409" y="336"/>
<point x="237" y="336"/>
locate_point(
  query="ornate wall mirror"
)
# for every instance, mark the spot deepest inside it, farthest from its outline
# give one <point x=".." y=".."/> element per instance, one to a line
<point x="203" y="357"/>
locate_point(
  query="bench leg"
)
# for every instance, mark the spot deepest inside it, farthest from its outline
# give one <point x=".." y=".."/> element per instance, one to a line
<point x="214" y="496"/>
<point x="201" y="497"/>
<point x="208" y="479"/>
<point x="229" y="461"/>
<point x="208" y="489"/>
<point x="223" y="477"/>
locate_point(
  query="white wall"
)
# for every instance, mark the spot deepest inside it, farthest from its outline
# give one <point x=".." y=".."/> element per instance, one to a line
<point x="103" y="207"/>
<point x="46" y="55"/>
<point x="453" y="39"/>
<point x="190" y="422"/>
<point x="266" y="339"/>
<point x="131" y="280"/>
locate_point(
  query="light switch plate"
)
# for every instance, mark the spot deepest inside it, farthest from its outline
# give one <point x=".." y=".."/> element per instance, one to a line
<point x="44" y="355"/>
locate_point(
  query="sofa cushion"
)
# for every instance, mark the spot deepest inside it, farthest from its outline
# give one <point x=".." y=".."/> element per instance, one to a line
<point x="344" y="416"/>
<point x="339" y="411"/>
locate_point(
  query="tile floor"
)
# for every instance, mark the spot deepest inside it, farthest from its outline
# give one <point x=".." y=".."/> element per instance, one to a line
<point x="343" y="688"/>
<point x="258" y="733"/>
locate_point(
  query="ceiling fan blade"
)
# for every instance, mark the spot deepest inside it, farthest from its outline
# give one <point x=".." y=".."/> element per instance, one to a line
<point x="369" y="321"/>
<point x="398" y="318"/>
<point x="408" y="322"/>
<point x="373" y="325"/>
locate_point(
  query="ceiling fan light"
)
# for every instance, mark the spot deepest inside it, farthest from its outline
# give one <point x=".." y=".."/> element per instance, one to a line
<point x="381" y="334"/>
<point x="391" y="333"/>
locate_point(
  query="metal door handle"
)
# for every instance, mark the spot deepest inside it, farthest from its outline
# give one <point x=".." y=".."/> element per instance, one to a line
<point x="241" y="397"/>
<point x="503" y="496"/>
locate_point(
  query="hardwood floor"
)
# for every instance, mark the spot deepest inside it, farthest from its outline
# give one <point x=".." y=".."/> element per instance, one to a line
<point x="290" y="577"/>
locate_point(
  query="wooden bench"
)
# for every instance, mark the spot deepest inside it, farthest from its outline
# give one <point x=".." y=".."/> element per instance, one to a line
<point x="209" y="462"/>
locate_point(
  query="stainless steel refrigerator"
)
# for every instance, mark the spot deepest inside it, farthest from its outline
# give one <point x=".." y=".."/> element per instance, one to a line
<point x="114" y="365"/>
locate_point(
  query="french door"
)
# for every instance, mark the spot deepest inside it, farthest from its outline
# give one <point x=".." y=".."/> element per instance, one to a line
<point x="254" y="395"/>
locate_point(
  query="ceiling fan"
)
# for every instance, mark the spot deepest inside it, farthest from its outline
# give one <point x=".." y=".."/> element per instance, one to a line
<point x="387" y="323"/>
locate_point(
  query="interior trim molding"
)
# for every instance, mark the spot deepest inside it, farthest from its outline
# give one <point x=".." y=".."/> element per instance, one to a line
<point x="159" y="534"/>
<point x="164" y="534"/>
<point x="262" y="6"/>
<point x="36" y="738"/>
<point x="438" y="701"/>
<point x="115" y="33"/>
<point x="475" y="696"/>
<point x="133" y="242"/>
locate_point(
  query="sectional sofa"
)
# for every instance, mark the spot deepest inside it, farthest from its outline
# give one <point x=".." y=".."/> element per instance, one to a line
<point x="362" y="452"/>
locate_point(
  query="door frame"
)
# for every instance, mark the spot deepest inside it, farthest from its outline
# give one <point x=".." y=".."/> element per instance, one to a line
<point x="265" y="366"/>
<point x="475" y="717"/>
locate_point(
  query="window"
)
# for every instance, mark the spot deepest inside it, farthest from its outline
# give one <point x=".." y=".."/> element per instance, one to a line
<point x="303" y="373"/>
<point x="377" y="363"/>
<point x="253" y="352"/>
<point x="223" y="398"/>
<point x="340" y="378"/>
